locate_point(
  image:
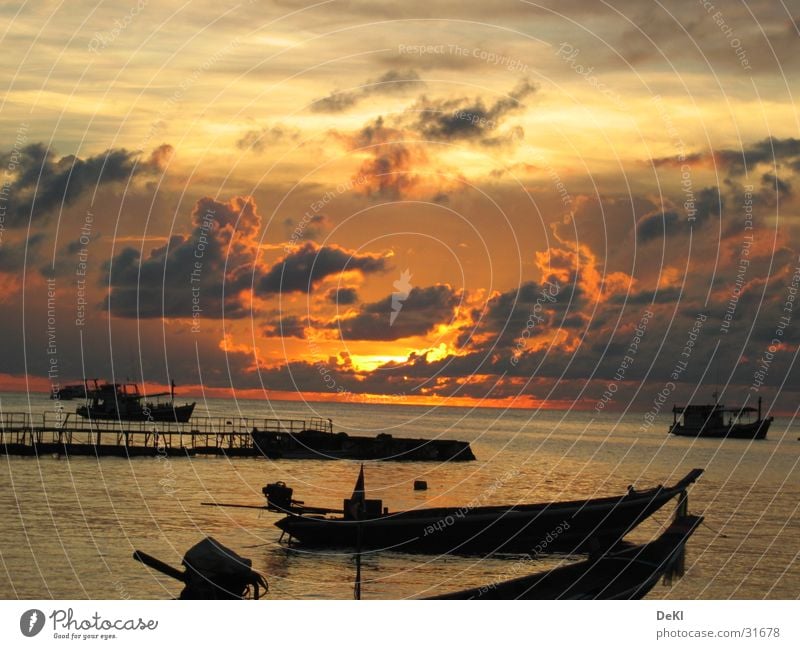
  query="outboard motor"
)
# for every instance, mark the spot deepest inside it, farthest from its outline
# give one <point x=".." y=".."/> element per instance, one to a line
<point x="279" y="497"/>
<point x="216" y="572"/>
<point x="211" y="571"/>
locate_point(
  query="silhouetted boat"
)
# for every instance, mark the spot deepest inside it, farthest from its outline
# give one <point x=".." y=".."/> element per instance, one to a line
<point x="124" y="402"/>
<point x="212" y="571"/>
<point x="319" y="442"/>
<point x="574" y="526"/>
<point x="628" y="573"/>
<point x="708" y="420"/>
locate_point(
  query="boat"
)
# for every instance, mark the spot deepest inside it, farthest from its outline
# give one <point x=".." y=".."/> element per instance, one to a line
<point x="69" y="392"/>
<point x="709" y="420"/>
<point x="124" y="402"/>
<point x="628" y="573"/>
<point x="572" y="526"/>
<point x="319" y="442"/>
<point x="211" y="571"/>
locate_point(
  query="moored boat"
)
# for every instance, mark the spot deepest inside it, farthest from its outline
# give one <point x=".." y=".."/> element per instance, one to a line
<point x="628" y="573"/>
<point x="124" y="402"/>
<point x="319" y="442"/>
<point x="709" y="420"/>
<point x="573" y="526"/>
<point x="212" y="571"/>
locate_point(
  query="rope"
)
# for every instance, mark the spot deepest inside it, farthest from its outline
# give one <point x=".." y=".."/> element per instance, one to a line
<point x="717" y="532"/>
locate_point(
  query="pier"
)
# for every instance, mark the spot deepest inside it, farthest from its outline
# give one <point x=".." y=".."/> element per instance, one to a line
<point x="54" y="433"/>
<point x="25" y="434"/>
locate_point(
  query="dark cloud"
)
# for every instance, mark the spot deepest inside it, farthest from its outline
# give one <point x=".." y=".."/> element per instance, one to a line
<point x="656" y="224"/>
<point x="303" y="269"/>
<point x="223" y="243"/>
<point x="416" y="314"/>
<point x="290" y="326"/>
<point x="532" y="308"/>
<point x="574" y="292"/>
<point x="768" y="151"/>
<point x="390" y="83"/>
<point x="160" y="157"/>
<point x="309" y="227"/>
<point x="708" y="204"/>
<point x="705" y="204"/>
<point x="560" y="371"/>
<point x="13" y="257"/>
<point x="259" y="139"/>
<point x="41" y="182"/>
<point x="336" y="102"/>
<point x="343" y="296"/>
<point x="772" y="151"/>
<point x="470" y="119"/>
<point x="399" y="166"/>
<point x="210" y="269"/>
<point x="668" y="295"/>
<point x="782" y="188"/>
<point x="391" y="171"/>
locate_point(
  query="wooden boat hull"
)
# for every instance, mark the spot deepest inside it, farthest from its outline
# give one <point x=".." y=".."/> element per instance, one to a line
<point x="755" y="430"/>
<point x="177" y="414"/>
<point x="622" y="574"/>
<point x="577" y="526"/>
<point x="316" y="445"/>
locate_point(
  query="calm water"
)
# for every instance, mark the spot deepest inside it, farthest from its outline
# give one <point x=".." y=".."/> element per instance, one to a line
<point x="70" y="526"/>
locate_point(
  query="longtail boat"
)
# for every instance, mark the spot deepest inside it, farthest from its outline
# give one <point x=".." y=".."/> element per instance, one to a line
<point x="576" y="526"/>
<point x="628" y="573"/>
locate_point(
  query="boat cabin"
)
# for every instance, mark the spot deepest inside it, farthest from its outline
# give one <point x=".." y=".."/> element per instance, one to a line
<point x="712" y="415"/>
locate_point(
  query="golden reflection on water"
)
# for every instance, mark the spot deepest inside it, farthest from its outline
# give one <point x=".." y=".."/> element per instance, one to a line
<point x="70" y="526"/>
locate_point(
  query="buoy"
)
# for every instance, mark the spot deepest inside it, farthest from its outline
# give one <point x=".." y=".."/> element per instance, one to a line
<point x="420" y="485"/>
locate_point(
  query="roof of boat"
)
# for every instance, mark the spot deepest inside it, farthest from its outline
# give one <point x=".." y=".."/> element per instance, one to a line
<point x="710" y="407"/>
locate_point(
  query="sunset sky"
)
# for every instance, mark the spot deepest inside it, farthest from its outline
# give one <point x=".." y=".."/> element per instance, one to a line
<point x="513" y="204"/>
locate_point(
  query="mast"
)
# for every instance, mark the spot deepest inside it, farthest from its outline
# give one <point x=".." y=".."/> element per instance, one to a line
<point x="357" y="502"/>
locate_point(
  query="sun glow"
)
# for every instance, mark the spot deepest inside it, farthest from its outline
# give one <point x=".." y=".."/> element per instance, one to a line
<point x="370" y="362"/>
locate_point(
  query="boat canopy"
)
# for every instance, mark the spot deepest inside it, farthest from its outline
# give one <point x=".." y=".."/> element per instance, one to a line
<point x="712" y="408"/>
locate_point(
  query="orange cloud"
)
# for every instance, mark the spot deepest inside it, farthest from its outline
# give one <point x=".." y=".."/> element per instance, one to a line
<point x="396" y="164"/>
<point x="581" y="268"/>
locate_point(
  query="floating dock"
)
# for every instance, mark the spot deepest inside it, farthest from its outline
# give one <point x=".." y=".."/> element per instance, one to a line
<point x="55" y="433"/>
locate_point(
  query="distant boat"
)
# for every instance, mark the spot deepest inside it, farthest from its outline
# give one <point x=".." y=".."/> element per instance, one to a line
<point x="69" y="392"/>
<point x="124" y="402"/>
<point x="709" y="420"/>
<point x="628" y="573"/>
<point x="574" y="526"/>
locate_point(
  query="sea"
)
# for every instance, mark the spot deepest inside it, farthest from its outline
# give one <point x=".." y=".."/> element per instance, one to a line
<point x="70" y="525"/>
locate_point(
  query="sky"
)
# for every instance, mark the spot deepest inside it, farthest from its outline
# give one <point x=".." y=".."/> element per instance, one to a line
<point x="558" y="204"/>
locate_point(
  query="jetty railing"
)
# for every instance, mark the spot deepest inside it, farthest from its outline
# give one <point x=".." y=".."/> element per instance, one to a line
<point x="28" y="429"/>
